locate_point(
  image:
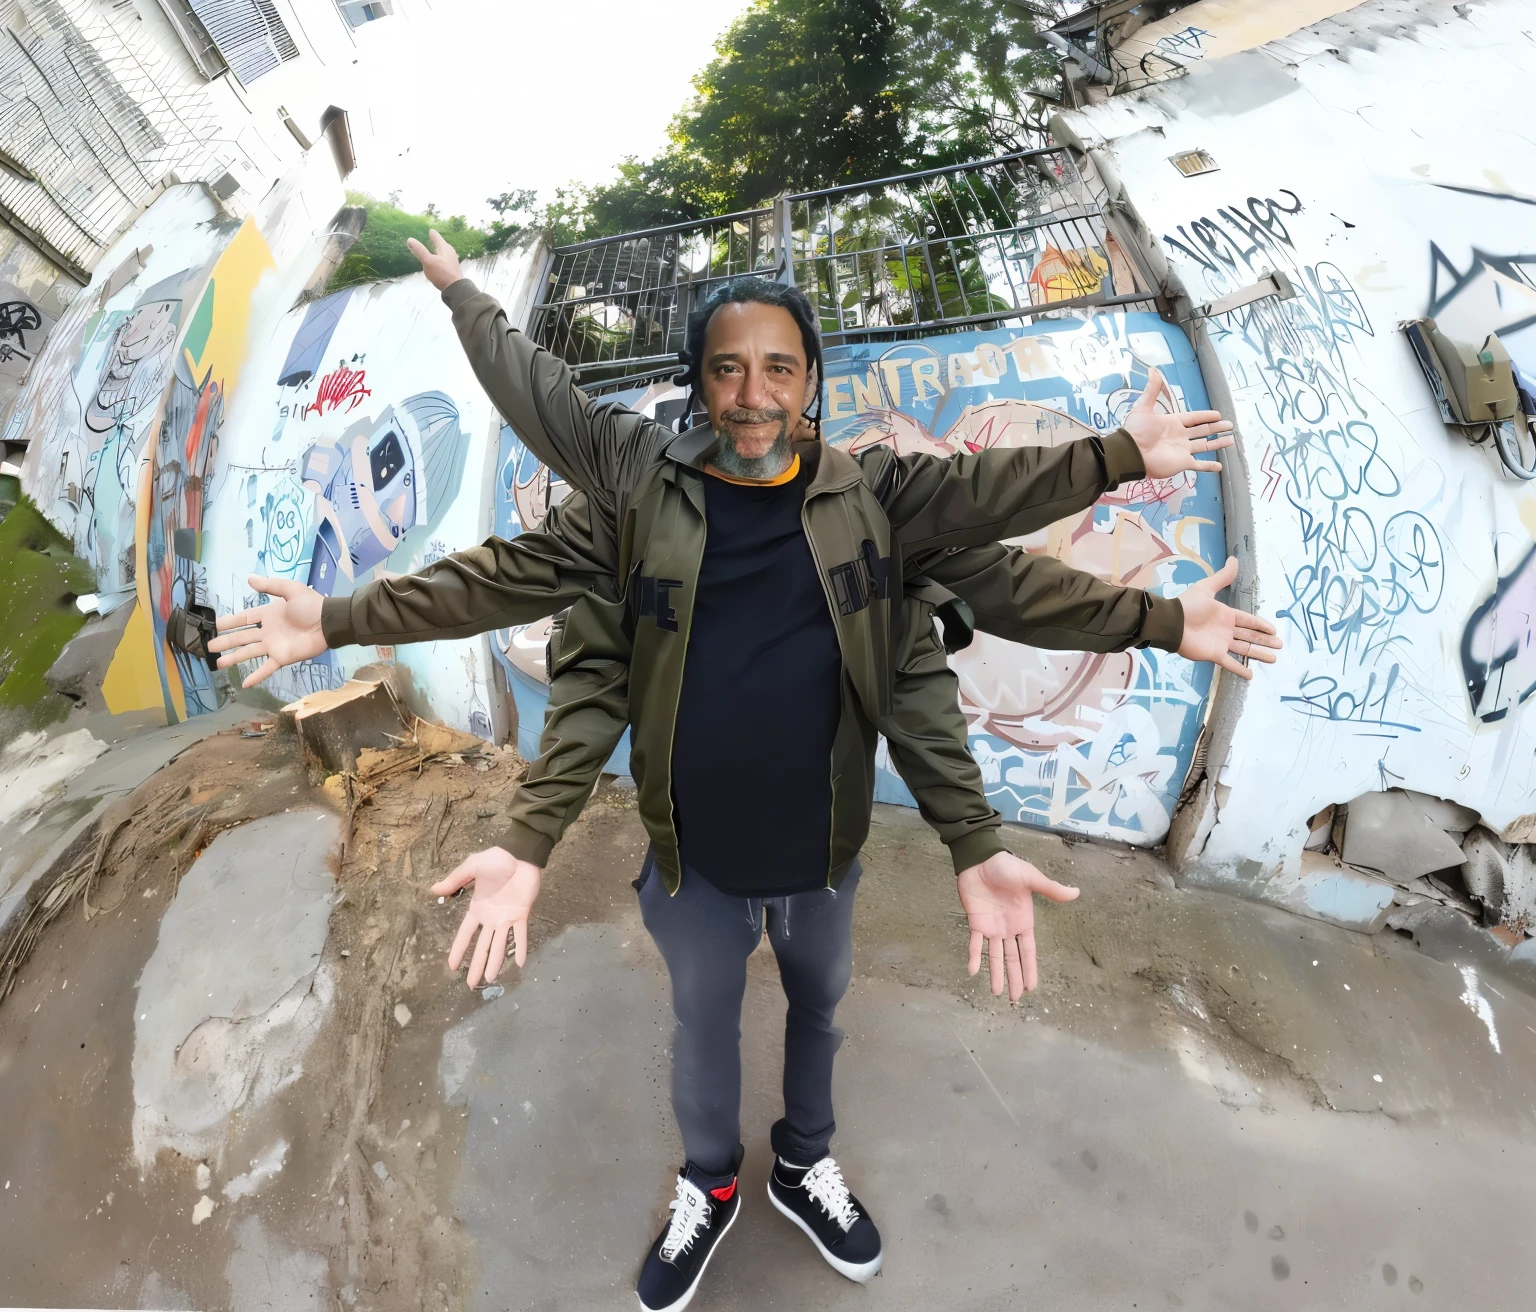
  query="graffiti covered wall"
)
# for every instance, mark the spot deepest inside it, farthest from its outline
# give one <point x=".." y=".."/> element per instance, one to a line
<point x="1087" y="743"/>
<point x="33" y="293"/>
<point x="188" y="429"/>
<point x="1080" y="741"/>
<point x="1396" y="556"/>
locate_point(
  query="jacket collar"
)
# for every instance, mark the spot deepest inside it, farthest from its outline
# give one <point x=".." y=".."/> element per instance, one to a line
<point x="693" y="447"/>
<point x="832" y="470"/>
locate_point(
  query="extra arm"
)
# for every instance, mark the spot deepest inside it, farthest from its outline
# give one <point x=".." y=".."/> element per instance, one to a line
<point x="1002" y="492"/>
<point x="1045" y="602"/>
<point x="588" y="713"/>
<point x="927" y="737"/>
<point x="500" y="583"/>
<point x="598" y="448"/>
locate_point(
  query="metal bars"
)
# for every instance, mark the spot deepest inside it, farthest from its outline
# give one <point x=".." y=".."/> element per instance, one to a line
<point x="621" y="302"/>
<point x="980" y="243"/>
<point x="97" y="118"/>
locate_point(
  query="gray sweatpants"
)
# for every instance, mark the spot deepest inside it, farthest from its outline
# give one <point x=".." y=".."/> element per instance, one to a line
<point x="705" y="937"/>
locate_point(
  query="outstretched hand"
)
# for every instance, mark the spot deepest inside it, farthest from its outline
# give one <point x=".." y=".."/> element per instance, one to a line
<point x="440" y="264"/>
<point x="1169" y="441"/>
<point x="998" y="899"/>
<point x="505" y="891"/>
<point x="286" y="629"/>
<point x="1214" y="631"/>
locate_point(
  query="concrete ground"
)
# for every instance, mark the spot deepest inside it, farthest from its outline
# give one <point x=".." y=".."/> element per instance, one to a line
<point x="1208" y="1104"/>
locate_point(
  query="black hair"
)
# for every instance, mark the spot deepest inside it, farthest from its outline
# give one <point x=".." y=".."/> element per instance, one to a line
<point x="757" y="291"/>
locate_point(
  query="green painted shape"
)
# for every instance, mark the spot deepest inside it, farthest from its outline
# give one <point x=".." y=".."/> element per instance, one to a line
<point x="201" y="325"/>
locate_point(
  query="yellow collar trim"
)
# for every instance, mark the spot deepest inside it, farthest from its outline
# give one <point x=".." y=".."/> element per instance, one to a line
<point x="785" y="477"/>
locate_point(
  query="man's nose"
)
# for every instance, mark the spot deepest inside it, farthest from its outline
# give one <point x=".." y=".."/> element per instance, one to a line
<point x="754" y="391"/>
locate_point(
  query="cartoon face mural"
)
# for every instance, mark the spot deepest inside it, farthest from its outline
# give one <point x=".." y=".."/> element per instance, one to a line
<point x="348" y="482"/>
<point x="1079" y="741"/>
<point x="96" y="397"/>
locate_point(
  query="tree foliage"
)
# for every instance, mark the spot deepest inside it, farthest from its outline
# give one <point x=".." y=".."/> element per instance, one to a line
<point x="380" y="250"/>
<point x="803" y="94"/>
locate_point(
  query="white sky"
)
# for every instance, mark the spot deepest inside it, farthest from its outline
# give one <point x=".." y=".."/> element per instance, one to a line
<point x="503" y="94"/>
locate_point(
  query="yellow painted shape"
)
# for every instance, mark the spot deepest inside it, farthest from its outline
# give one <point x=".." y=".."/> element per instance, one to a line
<point x="234" y="278"/>
<point x="1528" y="515"/>
<point x="1229" y="26"/>
<point x="133" y="678"/>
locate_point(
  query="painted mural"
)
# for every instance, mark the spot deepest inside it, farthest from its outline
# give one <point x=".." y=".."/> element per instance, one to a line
<point x="1078" y="741"/>
<point x="357" y="470"/>
<point x="179" y="470"/>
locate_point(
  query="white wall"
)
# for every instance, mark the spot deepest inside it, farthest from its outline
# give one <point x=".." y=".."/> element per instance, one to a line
<point x="1384" y="160"/>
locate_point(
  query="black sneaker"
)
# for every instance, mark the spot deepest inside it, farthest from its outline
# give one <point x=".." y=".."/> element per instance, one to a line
<point x="676" y="1262"/>
<point x="816" y="1199"/>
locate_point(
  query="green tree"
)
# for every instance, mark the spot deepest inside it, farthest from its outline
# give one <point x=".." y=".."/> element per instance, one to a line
<point x="803" y="94"/>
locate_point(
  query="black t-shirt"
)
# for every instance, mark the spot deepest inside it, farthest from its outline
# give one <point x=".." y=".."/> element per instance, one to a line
<point x="760" y="701"/>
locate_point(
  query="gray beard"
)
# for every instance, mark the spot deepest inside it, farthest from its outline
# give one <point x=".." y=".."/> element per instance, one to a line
<point x="769" y="465"/>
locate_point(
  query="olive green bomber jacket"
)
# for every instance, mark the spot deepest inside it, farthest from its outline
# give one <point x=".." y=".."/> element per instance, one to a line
<point x="861" y="516"/>
<point x="501" y="583"/>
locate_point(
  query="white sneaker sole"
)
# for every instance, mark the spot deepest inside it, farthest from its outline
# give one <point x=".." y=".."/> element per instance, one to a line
<point x="859" y="1271"/>
<point x="692" y="1289"/>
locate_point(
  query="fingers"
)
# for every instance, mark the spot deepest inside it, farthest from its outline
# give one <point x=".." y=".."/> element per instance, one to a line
<point x="462" y="939"/>
<point x="1230" y="663"/>
<point x="1015" y="969"/>
<point x="1049" y="888"/>
<point x="995" y="961"/>
<point x="242" y="633"/>
<point x="1254" y="623"/>
<point x="520" y="940"/>
<point x="285" y="588"/>
<point x="1220" y="442"/>
<point x="1147" y="401"/>
<point x="1225" y="577"/>
<point x="1206" y="466"/>
<point x="250" y="652"/>
<point x="498" y="953"/>
<point x="1203" y="419"/>
<point x="457" y="878"/>
<point x="482" y="955"/>
<point x="1030" y="962"/>
<point x="416" y="249"/>
<point x="439" y="246"/>
<point x="1249" y="650"/>
<point x="1257" y="637"/>
<point x="974" y="964"/>
<point x="269" y="667"/>
<point x="241" y="619"/>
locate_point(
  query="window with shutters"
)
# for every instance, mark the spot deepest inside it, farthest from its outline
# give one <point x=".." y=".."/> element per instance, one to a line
<point x="249" y="34"/>
<point x="358" y="12"/>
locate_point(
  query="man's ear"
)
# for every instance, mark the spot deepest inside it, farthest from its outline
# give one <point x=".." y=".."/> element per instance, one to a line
<point x="812" y="387"/>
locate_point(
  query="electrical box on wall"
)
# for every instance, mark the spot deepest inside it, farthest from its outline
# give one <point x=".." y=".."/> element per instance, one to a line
<point x="1476" y="390"/>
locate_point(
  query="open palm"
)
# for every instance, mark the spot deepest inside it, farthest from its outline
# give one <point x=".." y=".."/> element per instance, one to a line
<point x="998" y="897"/>
<point x="284" y="630"/>
<point x="1169" y="440"/>
<point x="505" y="891"/>
<point x="1214" y="631"/>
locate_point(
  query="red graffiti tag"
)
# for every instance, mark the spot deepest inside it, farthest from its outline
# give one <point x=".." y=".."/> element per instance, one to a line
<point x="341" y="385"/>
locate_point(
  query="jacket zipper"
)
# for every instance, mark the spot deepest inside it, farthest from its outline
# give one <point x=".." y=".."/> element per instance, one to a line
<point x="821" y="575"/>
<point x="677" y="845"/>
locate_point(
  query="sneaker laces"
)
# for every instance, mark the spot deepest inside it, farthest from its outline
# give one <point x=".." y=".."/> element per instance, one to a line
<point x="691" y="1211"/>
<point x="824" y="1183"/>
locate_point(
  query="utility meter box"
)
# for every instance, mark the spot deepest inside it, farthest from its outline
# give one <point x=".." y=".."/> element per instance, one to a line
<point x="1473" y="385"/>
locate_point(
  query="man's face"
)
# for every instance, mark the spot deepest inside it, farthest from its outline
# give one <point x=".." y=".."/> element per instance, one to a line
<point x="753" y="376"/>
